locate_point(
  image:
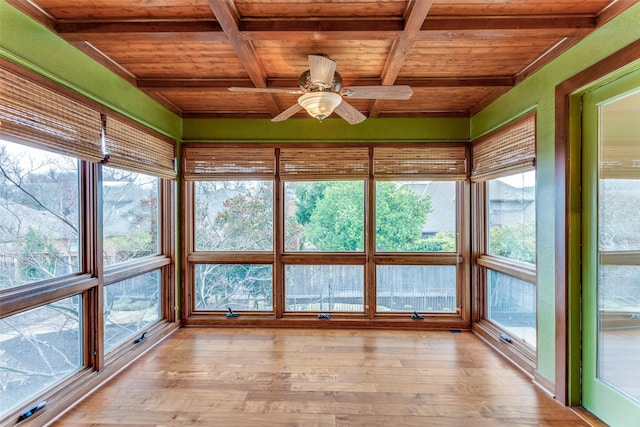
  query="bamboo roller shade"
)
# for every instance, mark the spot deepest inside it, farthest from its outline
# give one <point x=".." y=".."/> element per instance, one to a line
<point x="428" y="162"/>
<point x="35" y="115"/>
<point x="333" y="162"/>
<point x="509" y="150"/>
<point x="207" y="163"/>
<point x="310" y="163"/>
<point x="132" y="149"/>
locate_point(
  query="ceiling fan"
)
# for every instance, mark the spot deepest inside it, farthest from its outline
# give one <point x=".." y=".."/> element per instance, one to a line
<point x="321" y="93"/>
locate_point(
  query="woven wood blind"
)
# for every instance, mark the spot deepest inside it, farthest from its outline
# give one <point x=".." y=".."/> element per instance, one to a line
<point x="428" y="162"/>
<point x="208" y="163"/>
<point x="35" y="115"/>
<point x="509" y="150"/>
<point x="620" y="159"/>
<point x="323" y="163"/>
<point x="131" y="149"/>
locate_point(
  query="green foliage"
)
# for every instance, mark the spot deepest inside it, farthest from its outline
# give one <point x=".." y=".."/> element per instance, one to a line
<point x="443" y="241"/>
<point x="400" y="215"/>
<point x="335" y="217"/>
<point x="517" y="242"/>
<point x="332" y="215"/>
<point x="307" y="197"/>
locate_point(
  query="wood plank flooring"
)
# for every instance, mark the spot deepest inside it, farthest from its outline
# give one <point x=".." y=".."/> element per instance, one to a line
<point x="285" y="377"/>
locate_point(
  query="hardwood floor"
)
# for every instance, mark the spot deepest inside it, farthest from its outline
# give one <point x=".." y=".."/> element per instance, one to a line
<point x="284" y="377"/>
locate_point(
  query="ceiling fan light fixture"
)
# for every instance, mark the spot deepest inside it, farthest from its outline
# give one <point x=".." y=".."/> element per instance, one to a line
<point x="320" y="105"/>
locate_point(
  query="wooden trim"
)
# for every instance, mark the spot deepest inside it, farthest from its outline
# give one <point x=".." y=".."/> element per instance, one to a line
<point x="278" y="284"/>
<point x="567" y="171"/>
<point x="370" y="293"/>
<point x="505" y="266"/>
<point x="463" y="246"/>
<point x="17" y="300"/>
<point x="478" y="242"/>
<point x="187" y="247"/>
<point x="279" y="259"/>
<point x="208" y="257"/>
<point x="338" y="321"/>
<point x="422" y="258"/>
<point x="123" y="271"/>
<point x="168" y="248"/>
<point x="93" y="299"/>
<point x="69" y="392"/>
<point x="520" y="354"/>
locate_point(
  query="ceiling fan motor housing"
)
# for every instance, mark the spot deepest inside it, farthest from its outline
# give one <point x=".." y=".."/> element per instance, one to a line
<point x="307" y="85"/>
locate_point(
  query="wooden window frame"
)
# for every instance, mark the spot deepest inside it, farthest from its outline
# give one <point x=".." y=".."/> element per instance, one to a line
<point x="520" y="353"/>
<point x="368" y="258"/>
<point x="89" y="282"/>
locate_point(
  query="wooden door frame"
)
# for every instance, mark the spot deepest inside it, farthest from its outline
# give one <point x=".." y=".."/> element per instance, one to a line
<point x="567" y="188"/>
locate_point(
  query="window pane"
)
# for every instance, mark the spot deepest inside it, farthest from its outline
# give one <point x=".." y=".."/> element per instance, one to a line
<point x="511" y="303"/>
<point x="416" y="288"/>
<point x="618" y="201"/>
<point x="416" y="216"/>
<point x="235" y="286"/>
<point x="38" y="215"/>
<point x="330" y="288"/>
<point x="234" y="215"/>
<point x="130" y="306"/>
<point x="619" y="326"/>
<point x="511" y="212"/>
<point x="38" y="348"/>
<point x="324" y="216"/>
<point x="130" y="215"/>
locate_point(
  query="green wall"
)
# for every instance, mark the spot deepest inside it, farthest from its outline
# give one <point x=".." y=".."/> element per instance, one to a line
<point x="450" y="129"/>
<point x="31" y="45"/>
<point x="539" y="91"/>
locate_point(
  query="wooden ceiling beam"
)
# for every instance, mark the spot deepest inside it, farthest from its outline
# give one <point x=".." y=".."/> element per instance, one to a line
<point x="228" y="18"/>
<point x="416" y="82"/>
<point x="334" y="29"/>
<point x="524" y="22"/>
<point x="416" y="14"/>
<point x="138" y="27"/>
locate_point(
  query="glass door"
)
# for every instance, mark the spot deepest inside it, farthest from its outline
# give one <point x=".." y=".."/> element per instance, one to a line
<point x="611" y="251"/>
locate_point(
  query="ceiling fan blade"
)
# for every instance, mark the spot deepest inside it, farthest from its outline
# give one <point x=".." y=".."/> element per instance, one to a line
<point x="321" y="69"/>
<point x="266" y="90"/>
<point x="378" y="92"/>
<point x="349" y="113"/>
<point x="287" y="113"/>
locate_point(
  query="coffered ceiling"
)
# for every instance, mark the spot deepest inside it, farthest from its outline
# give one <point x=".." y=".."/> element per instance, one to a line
<point x="457" y="55"/>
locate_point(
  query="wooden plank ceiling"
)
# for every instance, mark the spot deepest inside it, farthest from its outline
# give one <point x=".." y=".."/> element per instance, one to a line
<point x="457" y="55"/>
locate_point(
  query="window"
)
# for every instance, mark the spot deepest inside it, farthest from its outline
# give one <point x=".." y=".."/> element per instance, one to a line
<point x="511" y="217"/>
<point x="77" y="235"/>
<point x="130" y="306"/>
<point x="324" y="288"/>
<point x="410" y="288"/>
<point x="130" y="215"/>
<point x="233" y="286"/>
<point x="356" y="231"/>
<point x="38" y="348"/>
<point x="503" y="172"/>
<point x="234" y="216"/>
<point x="39" y="223"/>
<point x="324" y="216"/>
<point x="416" y="216"/>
